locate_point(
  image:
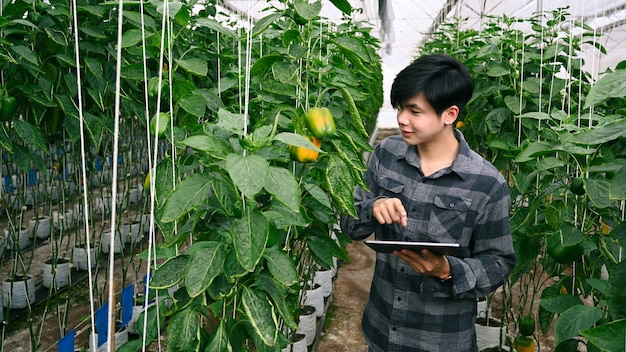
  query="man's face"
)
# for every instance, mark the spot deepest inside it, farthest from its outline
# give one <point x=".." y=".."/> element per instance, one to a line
<point x="418" y="121"/>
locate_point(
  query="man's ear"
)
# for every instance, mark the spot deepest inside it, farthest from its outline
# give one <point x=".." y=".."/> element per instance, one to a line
<point x="450" y="115"/>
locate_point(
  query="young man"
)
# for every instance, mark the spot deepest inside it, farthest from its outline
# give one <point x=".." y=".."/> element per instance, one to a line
<point x="427" y="185"/>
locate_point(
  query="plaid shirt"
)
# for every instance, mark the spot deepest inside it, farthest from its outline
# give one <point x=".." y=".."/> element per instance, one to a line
<point x="467" y="203"/>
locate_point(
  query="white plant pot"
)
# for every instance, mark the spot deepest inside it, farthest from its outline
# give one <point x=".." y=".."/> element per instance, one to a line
<point x="39" y="227"/>
<point x="489" y="336"/>
<point x="105" y="242"/>
<point x="324" y="278"/>
<point x="19" y="293"/>
<point x="307" y="324"/>
<point x="57" y="275"/>
<point x="297" y="345"/>
<point x="131" y="232"/>
<point x="19" y="240"/>
<point x="135" y="195"/>
<point x="80" y="257"/>
<point x="315" y="298"/>
<point x="63" y="220"/>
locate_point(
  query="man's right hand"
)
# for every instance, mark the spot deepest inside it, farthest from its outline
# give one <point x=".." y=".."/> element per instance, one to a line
<point x="389" y="210"/>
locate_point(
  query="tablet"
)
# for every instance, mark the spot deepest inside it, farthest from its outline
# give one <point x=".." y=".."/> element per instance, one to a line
<point x="453" y="249"/>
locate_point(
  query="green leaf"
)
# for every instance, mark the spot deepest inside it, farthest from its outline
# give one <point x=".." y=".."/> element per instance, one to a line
<point x="354" y="45"/>
<point x="184" y="331"/>
<point x="277" y="293"/>
<point x="260" y="314"/>
<point x="261" y="66"/>
<point x="600" y="134"/>
<point x="281" y="266"/>
<point x="282" y="184"/>
<point x="577" y="318"/>
<point x="262" y="24"/>
<point x="498" y="69"/>
<point x="194" y="104"/>
<point x="169" y="273"/>
<point x="29" y="134"/>
<point x="495" y="118"/>
<point x="194" y="66"/>
<point x="233" y="123"/>
<point x="200" y="277"/>
<point x="611" y="85"/>
<point x="515" y="104"/>
<point x="560" y="303"/>
<point x="189" y="194"/>
<point x="533" y="150"/>
<point x="617" y="191"/>
<point x="206" y="143"/>
<point x="26" y="54"/>
<point x="296" y="140"/>
<point x="220" y="341"/>
<point x="537" y="115"/>
<point x="307" y="10"/>
<point x="131" y="38"/>
<point x="549" y="163"/>
<point x="608" y="337"/>
<point x="216" y="26"/>
<point x="598" y="192"/>
<point x="341" y="184"/>
<point x="343" y="5"/>
<point x="324" y="247"/>
<point x="249" y="173"/>
<point x="616" y="291"/>
<point x="249" y="238"/>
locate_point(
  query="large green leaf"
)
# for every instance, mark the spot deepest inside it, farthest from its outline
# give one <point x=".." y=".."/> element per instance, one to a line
<point x="343" y="5"/>
<point x="131" y="38"/>
<point x="220" y="342"/>
<point x="572" y="321"/>
<point x="282" y="184"/>
<point x="307" y="10"/>
<point x="169" y="273"/>
<point x="296" y="140"/>
<point x="194" y="104"/>
<point x="199" y="277"/>
<point x="277" y="294"/>
<point x="262" y="24"/>
<point x="184" y="331"/>
<point x="29" y="134"/>
<point x="560" y="303"/>
<point x="601" y="134"/>
<point x="617" y="191"/>
<point x="26" y="54"/>
<point x="354" y="45"/>
<point x="188" y="195"/>
<point x="249" y="238"/>
<point x="281" y="266"/>
<point x="611" y="85"/>
<point x="262" y="65"/>
<point x="214" y="25"/>
<point x="260" y="314"/>
<point x="206" y="143"/>
<point x="194" y="66"/>
<point x="616" y="291"/>
<point x="498" y="69"/>
<point x="608" y="337"/>
<point x="341" y="184"/>
<point x="324" y="247"/>
<point x="249" y="173"/>
<point x="598" y="191"/>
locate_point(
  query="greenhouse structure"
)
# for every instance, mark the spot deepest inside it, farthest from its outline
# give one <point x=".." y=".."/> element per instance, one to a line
<point x="174" y="172"/>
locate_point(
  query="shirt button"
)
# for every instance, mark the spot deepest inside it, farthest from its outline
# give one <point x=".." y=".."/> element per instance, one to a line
<point x="399" y="299"/>
<point x="451" y="205"/>
<point x="393" y="328"/>
<point x="402" y="269"/>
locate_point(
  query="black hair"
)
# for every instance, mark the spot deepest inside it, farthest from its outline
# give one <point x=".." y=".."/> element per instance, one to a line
<point x="443" y="80"/>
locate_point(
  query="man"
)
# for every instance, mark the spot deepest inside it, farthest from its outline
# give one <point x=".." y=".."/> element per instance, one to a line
<point x="427" y="185"/>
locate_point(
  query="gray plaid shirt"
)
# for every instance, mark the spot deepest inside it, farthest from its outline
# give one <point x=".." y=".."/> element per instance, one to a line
<point x="467" y="203"/>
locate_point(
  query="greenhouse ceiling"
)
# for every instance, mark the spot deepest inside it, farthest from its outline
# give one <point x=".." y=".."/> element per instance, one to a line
<point x="403" y="24"/>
